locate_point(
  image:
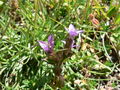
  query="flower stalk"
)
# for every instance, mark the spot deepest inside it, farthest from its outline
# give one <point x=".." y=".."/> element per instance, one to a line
<point x="57" y="58"/>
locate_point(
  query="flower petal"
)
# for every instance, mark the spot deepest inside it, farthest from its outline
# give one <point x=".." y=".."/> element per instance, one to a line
<point x="80" y="31"/>
<point x="71" y="27"/>
<point x="73" y="33"/>
<point x="44" y="45"/>
<point x="51" y="41"/>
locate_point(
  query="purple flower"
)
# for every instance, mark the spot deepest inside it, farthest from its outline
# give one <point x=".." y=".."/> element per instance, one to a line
<point x="47" y="46"/>
<point x="72" y="31"/>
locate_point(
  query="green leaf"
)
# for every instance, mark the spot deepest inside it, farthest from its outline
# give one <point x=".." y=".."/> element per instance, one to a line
<point x="112" y="11"/>
<point x="117" y="21"/>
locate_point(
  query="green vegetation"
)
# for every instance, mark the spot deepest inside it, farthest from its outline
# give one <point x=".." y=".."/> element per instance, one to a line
<point x="95" y="62"/>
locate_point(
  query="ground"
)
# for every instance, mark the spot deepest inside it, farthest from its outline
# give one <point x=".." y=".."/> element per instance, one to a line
<point x="94" y="63"/>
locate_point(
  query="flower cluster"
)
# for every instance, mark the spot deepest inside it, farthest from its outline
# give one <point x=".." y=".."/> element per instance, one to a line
<point x="49" y="46"/>
<point x="72" y="31"/>
<point x="57" y="58"/>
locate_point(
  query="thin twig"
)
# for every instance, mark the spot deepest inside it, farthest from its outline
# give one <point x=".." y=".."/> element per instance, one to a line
<point x="103" y="42"/>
